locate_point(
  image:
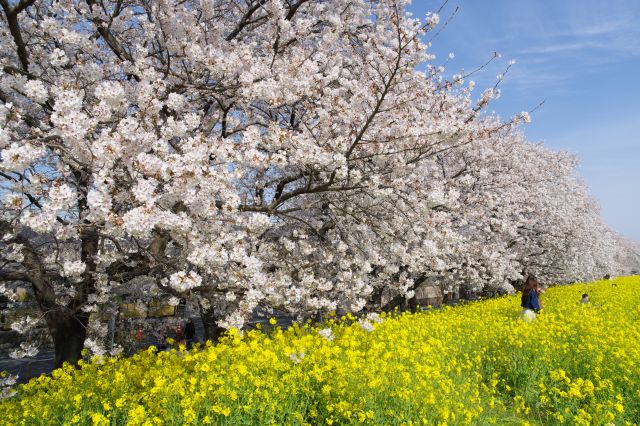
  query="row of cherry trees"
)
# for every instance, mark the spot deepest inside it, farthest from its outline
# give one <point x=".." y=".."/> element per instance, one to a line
<point x="297" y="154"/>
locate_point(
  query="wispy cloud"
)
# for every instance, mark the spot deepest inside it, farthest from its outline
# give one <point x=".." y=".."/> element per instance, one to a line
<point x="612" y="35"/>
<point x="596" y="29"/>
<point x="554" y="46"/>
<point x="563" y="47"/>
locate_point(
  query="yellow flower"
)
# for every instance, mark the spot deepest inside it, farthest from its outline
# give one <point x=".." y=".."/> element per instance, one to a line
<point x="472" y="364"/>
<point x="98" y="419"/>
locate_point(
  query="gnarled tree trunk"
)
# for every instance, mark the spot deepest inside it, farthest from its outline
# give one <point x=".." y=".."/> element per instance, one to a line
<point x="212" y="331"/>
<point x="68" y="332"/>
<point x="67" y="323"/>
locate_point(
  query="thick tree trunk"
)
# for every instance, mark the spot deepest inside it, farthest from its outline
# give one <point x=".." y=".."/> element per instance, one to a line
<point x="69" y="333"/>
<point x="412" y="304"/>
<point x="212" y="331"/>
<point x="398" y="301"/>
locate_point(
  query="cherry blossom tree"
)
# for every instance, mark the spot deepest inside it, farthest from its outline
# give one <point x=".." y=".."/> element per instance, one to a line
<point x="520" y="208"/>
<point x="295" y="154"/>
<point x="627" y="255"/>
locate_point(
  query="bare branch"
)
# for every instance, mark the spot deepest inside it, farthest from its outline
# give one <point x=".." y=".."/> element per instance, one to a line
<point x="246" y="19"/>
<point x="111" y="40"/>
<point x="14" y="28"/>
<point x="14" y="276"/>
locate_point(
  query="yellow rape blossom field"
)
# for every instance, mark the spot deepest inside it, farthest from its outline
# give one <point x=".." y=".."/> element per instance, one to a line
<point x="473" y="364"/>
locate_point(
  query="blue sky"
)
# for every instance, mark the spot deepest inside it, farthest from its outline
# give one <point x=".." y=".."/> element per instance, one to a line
<point x="583" y="58"/>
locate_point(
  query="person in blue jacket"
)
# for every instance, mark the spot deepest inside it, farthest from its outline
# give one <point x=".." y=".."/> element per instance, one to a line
<point x="530" y="301"/>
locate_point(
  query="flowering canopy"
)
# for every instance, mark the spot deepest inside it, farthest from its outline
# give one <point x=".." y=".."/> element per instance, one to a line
<point x="285" y="153"/>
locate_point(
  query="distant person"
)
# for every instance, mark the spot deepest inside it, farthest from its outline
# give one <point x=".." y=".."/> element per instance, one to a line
<point x="585" y="299"/>
<point x="530" y="299"/>
<point x="190" y="333"/>
<point x="179" y="340"/>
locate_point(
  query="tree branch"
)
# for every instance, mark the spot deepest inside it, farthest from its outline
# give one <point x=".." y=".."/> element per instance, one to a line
<point x="14" y="276"/>
<point x="14" y="28"/>
<point x="245" y="20"/>
<point x="294" y="8"/>
<point x="108" y="37"/>
<point x="33" y="265"/>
